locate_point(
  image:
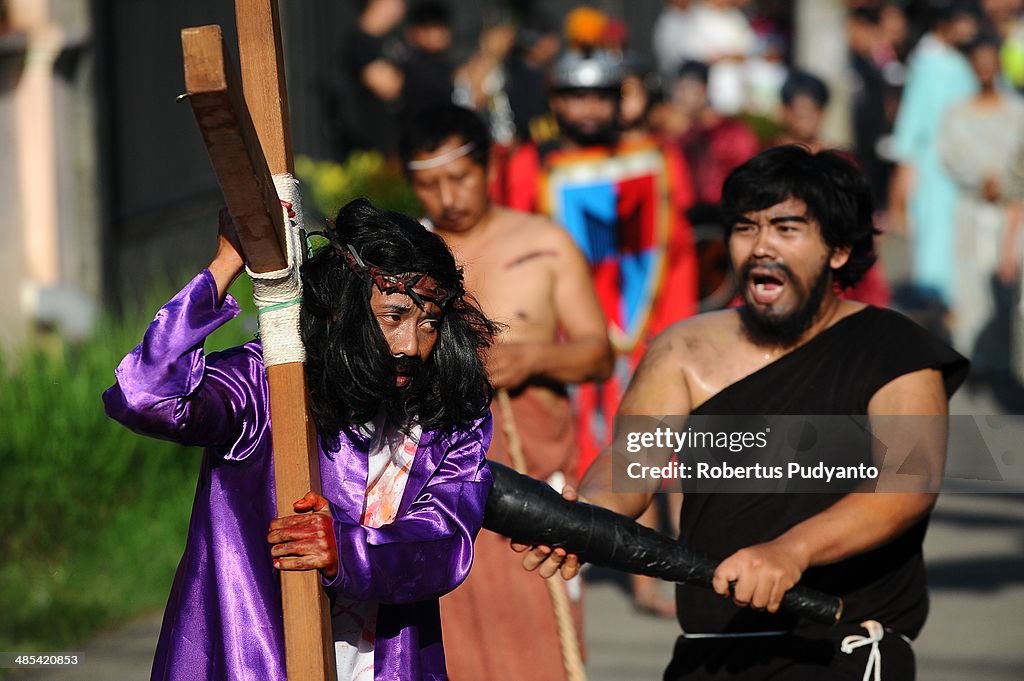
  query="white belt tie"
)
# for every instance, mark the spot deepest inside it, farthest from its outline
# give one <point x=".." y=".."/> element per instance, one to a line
<point x="875" y="634"/>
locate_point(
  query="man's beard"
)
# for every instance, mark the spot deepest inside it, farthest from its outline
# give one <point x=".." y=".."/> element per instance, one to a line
<point x="408" y="366"/>
<point x="400" y="402"/>
<point x="603" y="136"/>
<point x="783" y="330"/>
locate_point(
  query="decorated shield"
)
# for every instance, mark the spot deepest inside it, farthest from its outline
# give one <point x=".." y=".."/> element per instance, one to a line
<point x="618" y="210"/>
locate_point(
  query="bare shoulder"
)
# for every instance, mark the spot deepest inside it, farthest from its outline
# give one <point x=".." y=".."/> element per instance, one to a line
<point x="528" y="239"/>
<point x="538" y="230"/>
<point x="671" y="376"/>
<point x="692" y="342"/>
<point x="705" y="335"/>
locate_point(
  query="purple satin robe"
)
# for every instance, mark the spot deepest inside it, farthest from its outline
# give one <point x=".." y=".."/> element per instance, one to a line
<point x="223" y="617"/>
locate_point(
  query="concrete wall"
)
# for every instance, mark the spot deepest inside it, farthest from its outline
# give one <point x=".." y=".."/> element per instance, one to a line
<point x="49" y="261"/>
<point x="12" y="271"/>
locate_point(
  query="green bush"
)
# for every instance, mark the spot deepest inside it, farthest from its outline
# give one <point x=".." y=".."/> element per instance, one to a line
<point x="96" y="515"/>
<point x="367" y="174"/>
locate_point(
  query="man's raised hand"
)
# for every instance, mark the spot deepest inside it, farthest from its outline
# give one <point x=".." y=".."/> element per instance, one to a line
<point x="228" y="263"/>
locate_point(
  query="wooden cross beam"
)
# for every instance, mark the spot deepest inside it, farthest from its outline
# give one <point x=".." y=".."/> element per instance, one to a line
<point x="248" y="140"/>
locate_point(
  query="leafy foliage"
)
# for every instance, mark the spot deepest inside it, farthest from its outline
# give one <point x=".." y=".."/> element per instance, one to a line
<point x="367" y="174"/>
<point x="97" y="515"/>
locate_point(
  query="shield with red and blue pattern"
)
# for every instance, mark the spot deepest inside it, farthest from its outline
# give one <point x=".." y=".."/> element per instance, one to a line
<point x="617" y="209"/>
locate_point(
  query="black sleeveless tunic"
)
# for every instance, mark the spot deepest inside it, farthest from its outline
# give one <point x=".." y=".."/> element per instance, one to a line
<point x="835" y="373"/>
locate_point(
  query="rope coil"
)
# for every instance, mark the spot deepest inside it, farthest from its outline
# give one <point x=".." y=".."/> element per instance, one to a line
<point x="277" y="294"/>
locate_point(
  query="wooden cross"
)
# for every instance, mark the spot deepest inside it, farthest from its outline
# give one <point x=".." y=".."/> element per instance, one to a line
<point x="249" y="142"/>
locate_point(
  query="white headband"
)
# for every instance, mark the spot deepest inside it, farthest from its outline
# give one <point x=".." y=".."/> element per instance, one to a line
<point x="438" y="161"/>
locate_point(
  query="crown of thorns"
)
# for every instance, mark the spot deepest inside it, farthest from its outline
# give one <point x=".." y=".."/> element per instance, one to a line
<point x="421" y="287"/>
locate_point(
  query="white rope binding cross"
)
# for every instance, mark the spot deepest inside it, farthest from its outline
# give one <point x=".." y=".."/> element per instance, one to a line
<point x="875" y="633"/>
<point x="278" y="294"/>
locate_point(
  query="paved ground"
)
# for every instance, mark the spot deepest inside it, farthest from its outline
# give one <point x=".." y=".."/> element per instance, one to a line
<point x="122" y="655"/>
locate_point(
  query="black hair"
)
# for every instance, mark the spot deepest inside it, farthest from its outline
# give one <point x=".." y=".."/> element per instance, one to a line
<point x="691" y="68"/>
<point x="803" y="83"/>
<point x="350" y="370"/>
<point x="984" y="38"/>
<point x="430" y="13"/>
<point x="945" y="12"/>
<point x="537" y="25"/>
<point x="866" y="14"/>
<point x="836" y="192"/>
<point x="434" y="126"/>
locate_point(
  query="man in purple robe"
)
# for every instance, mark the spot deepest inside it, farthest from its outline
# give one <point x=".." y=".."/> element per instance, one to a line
<point x="400" y="398"/>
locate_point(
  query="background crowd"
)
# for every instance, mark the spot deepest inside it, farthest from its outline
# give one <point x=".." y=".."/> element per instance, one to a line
<point x="929" y="96"/>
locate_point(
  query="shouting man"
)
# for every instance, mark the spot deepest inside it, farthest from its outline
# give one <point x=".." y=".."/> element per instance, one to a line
<point x="799" y="228"/>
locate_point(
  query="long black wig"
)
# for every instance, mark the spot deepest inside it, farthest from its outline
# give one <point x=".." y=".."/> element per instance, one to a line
<point x="350" y="369"/>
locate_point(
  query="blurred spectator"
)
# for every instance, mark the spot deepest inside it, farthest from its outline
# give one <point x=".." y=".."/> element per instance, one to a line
<point x="891" y="55"/>
<point x="980" y="142"/>
<point x="868" y="96"/>
<point x="427" y="72"/>
<point x="938" y="76"/>
<point x="1004" y="17"/>
<point x="537" y="44"/>
<point x="673" y="34"/>
<point x="641" y="90"/>
<point x="377" y="77"/>
<point x="804" y="100"/>
<point x="481" y="83"/>
<point x="712" y="144"/>
<point x="764" y="74"/>
<point x="715" y="32"/>
<point x="398" y="79"/>
<point x="895" y="27"/>
<point x="1000" y="14"/>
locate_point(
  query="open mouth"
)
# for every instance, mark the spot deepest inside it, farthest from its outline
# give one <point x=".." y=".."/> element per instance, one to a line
<point x="766" y="286"/>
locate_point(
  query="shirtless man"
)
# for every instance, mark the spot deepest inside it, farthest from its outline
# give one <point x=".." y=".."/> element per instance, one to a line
<point x="527" y="273"/>
<point x="799" y="226"/>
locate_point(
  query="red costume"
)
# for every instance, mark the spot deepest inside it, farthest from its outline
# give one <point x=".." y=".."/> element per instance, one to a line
<point x="625" y="207"/>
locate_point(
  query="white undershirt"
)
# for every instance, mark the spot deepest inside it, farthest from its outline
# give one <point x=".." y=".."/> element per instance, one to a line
<point x="355" y="623"/>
